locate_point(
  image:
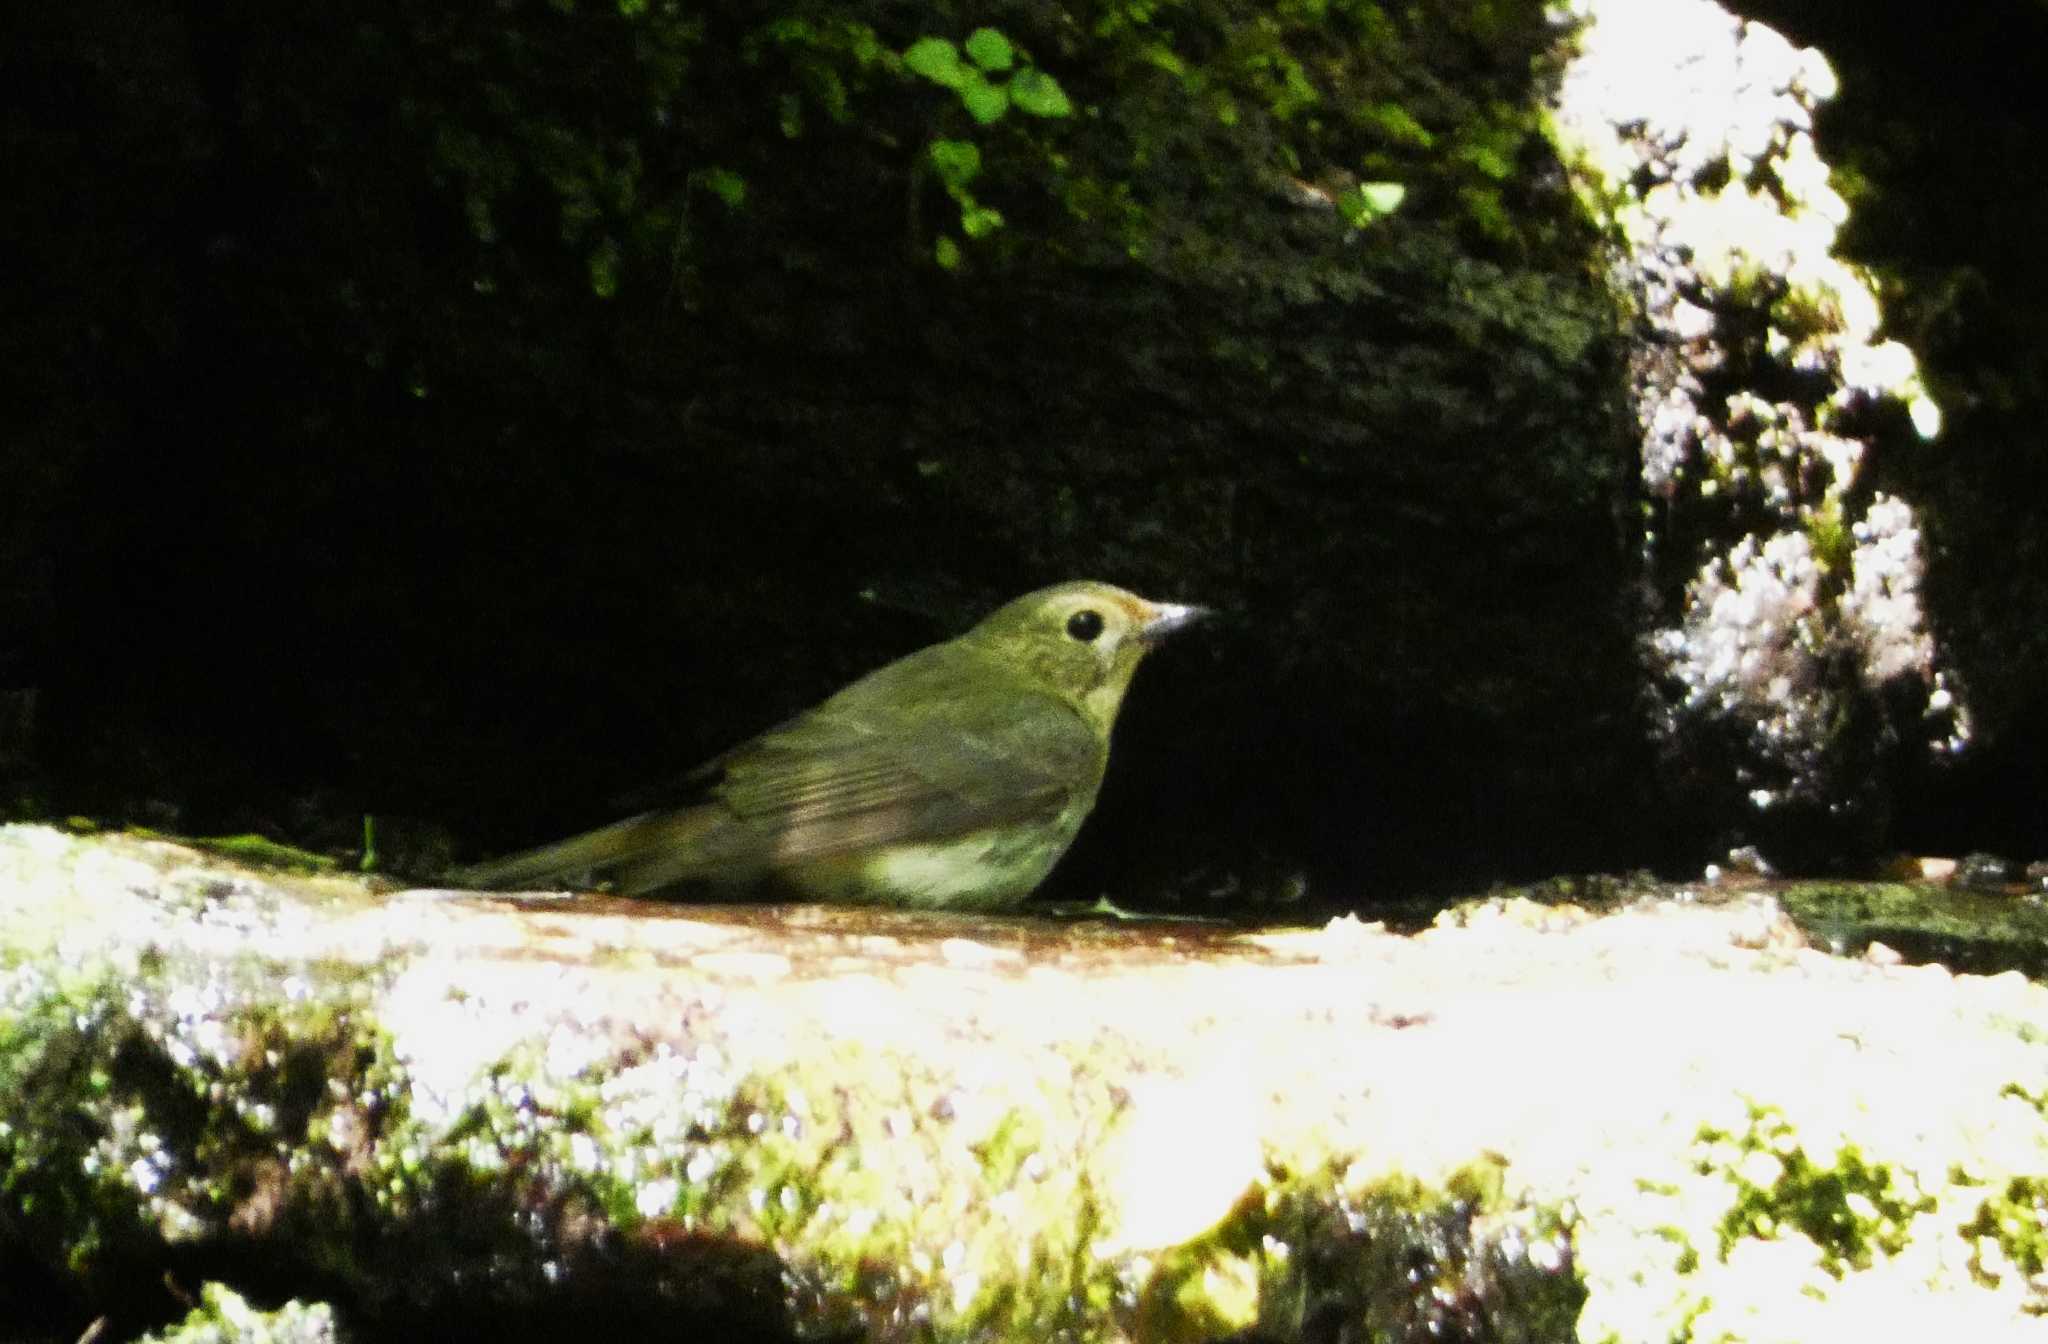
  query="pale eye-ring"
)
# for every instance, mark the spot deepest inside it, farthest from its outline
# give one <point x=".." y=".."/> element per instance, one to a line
<point x="1085" y="624"/>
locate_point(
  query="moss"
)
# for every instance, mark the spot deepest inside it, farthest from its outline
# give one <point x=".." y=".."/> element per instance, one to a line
<point x="223" y="1316"/>
<point x="2015" y="1222"/>
<point x="1978" y="932"/>
<point x="140" y="1116"/>
<point x="292" y="1138"/>
<point x="2010" y="1228"/>
<point x="941" y="1213"/>
<point x="1849" y="1207"/>
<point x="60" y="1190"/>
<point x="262" y="852"/>
<point x="1396" y="1260"/>
<point x="997" y="1243"/>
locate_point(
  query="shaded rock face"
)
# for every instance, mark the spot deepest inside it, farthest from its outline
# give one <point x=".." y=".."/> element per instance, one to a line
<point x="459" y="1116"/>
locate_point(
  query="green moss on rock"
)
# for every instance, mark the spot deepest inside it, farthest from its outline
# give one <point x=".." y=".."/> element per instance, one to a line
<point x="1982" y="932"/>
<point x="1394" y="1259"/>
<point x="2010" y="1232"/>
<point x="1848" y="1206"/>
<point x="224" y="1316"/>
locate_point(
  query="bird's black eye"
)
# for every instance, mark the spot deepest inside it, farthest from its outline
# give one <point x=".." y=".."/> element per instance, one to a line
<point x="1085" y="624"/>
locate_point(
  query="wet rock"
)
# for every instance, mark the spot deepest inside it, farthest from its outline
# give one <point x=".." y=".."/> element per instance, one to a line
<point x="1985" y="871"/>
<point x="476" y="1116"/>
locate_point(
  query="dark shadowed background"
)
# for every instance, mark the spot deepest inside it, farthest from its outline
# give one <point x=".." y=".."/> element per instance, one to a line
<point x="466" y="417"/>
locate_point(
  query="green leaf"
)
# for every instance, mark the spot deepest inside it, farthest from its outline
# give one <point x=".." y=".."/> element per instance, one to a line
<point x="1484" y="208"/>
<point x="938" y="60"/>
<point x="1395" y="120"/>
<point x="980" y="221"/>
<point x="1487" y="160"/>
<point x="632" y="9"/>
<point x="957" y="162"/>
<point x="726" y="185"/>
<point x="604" y="269"/>
<point x="1161" y="55"/>
<point x="989" y="49"/>
<point x="829" y="89"/>
<point x="784" y="32"/>
<point x="1038" y="93"/>
<point x="479" y="211"/>
<point x="1369" y="201"/>
<point x="985" y="102"/>
<point x="1382" y="198"/>
<point x="946" y="252"/>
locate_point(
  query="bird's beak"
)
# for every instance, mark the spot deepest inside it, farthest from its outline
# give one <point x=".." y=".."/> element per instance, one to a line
<point x="1168" y="617"/>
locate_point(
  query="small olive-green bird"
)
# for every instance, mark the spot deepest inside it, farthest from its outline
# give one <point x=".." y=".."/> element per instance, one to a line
<point x="953" y="778"/>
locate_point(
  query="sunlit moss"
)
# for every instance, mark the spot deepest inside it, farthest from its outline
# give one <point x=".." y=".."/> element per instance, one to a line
<point x="1849" y="1207"/>
<point x="2009" y="1233"/>
<point x="224" y="1316"/>
<point x="261" y="851"/>
<point x="1965" y="930"/>
<point x="1395" y="1258"/>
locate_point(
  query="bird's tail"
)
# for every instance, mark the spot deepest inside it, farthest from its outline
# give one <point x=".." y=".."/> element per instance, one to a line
<point x="635" y="856"/>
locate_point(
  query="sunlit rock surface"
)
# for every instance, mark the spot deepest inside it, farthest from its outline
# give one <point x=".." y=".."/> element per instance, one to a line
<point x="1785" y="602"/>
<point x="1648" y="1115"/>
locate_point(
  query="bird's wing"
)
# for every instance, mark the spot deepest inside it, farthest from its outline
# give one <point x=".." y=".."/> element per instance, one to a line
<point x="898" y="757"/>
<point x="831" y="781"/>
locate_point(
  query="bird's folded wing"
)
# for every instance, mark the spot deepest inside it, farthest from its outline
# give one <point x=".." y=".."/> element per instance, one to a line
<point x="674" y="840"/>
<point x="841" y="778"/>
<point x="824" y="785"/>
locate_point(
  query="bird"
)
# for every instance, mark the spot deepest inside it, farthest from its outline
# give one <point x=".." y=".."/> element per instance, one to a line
<point x="951" y="779"/>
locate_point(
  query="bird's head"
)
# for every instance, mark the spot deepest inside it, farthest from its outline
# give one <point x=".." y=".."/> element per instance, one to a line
<point x="1082" y="640"/>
